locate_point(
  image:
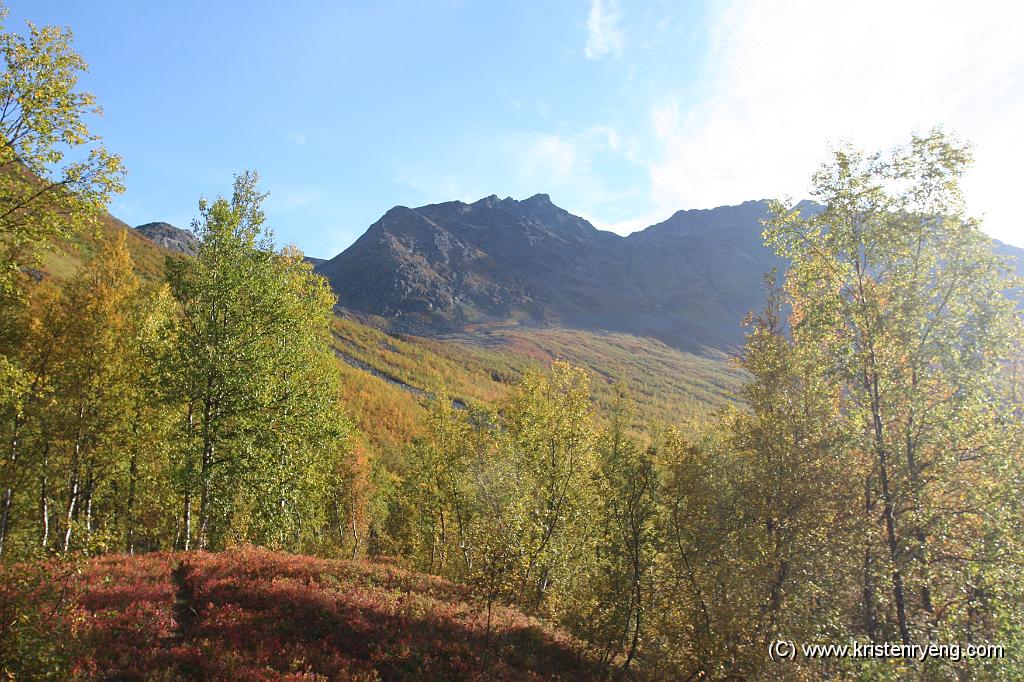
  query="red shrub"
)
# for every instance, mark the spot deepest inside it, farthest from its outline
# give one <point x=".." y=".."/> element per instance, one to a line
<point x="250" y="614"/>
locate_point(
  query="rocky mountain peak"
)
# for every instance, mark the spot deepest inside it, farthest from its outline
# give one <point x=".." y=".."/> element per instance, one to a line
<point x="170" y="237"/>
<point x="444" y="266"/>
<point x="688" y="281"/>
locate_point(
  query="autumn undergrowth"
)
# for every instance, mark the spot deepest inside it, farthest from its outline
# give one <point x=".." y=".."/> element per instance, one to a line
<point x="253" y="614"/>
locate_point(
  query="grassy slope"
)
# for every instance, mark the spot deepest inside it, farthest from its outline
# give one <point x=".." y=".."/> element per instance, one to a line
<point x="258" y="615"/>
<point x="65" y="257"/>
<point x="670" y="386"/>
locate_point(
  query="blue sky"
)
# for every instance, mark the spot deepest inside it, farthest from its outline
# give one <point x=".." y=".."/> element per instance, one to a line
<point x="622" y="111"/>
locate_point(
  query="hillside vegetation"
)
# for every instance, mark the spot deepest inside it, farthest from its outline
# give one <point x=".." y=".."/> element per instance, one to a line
<point x="669" y="385"/>
<point x="250" y="614"/>
<point x="574" y="475"/>
<point x="65" y="257"/>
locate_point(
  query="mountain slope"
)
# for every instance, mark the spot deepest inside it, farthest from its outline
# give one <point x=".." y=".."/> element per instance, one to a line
<point x="712" y="256"/>
<point x="497" y="263"/>
<point x="446" y="267"/>
<point x="388" y="378"/>
<point x="65" y="257"/>
<point x="703" y="270"/>
<point x="451" y="264"/>
<point x="1015" y="254"/>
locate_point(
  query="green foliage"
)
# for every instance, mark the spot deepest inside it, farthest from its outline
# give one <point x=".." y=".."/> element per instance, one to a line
<point x="614" y="598"/>
<point x="668" y="385"/>
<point x="547" y="435"/>
<point x="855" y="475"/>
<point x="867" y="491"/>
<point x="757" y="518"/>
<point x="898" y="296"/>
<point x="501" y="496"/>
<point x="261" y="431"/>
<point x="85" y="353"/>
<point x="55" y="176"/>
<point x="99" y="425"/>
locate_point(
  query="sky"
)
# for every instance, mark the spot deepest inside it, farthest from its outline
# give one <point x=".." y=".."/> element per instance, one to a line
<point x="623" y="112"/>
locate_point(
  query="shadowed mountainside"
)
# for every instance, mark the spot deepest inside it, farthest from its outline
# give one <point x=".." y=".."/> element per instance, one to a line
<point x="687" y="281"/>
<point x="454" y="267"/>
<point x="1015" y="253"/>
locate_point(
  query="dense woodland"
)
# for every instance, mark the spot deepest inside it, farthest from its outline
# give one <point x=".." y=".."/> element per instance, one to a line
<point x="864" y="485"/>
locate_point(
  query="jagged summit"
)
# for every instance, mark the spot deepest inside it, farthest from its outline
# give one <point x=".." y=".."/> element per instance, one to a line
<point x="733" y="219"/>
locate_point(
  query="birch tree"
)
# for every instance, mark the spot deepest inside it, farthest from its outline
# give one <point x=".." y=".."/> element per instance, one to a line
<point x="252" y="365"/>
<point x="899" y="298"/>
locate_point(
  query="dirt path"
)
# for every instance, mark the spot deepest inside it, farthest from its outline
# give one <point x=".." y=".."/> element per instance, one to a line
<point x="185" y="614"/>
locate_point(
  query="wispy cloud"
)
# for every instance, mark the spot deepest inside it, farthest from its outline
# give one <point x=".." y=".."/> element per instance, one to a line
<point x="519" y="163"/>
<point x="297" y="138"/>
<point x="783" y="80"/>
<point x="552" y="158"/>
<point x="604" y="37"/>
<point x="127" y="211"/>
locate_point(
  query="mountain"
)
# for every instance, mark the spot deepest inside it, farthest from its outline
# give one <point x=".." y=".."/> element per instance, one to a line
<point x="454" y="267"/>
<point x="450" y="266"/>
<point x="183" y="241"/>
<point x="387" y="378"/>
<point x="703" y="270"/>
<point x="170" y="237"/>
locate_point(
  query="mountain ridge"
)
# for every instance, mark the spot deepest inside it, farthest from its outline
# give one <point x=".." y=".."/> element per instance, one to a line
<point x="453" y="266"/>
<point x="448" y="266"/>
